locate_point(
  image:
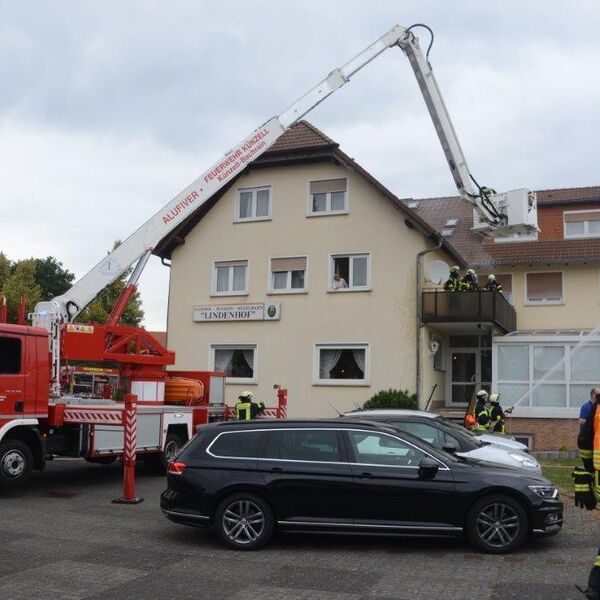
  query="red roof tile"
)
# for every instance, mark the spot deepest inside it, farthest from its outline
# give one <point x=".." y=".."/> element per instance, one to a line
<point x="302" y="135"/>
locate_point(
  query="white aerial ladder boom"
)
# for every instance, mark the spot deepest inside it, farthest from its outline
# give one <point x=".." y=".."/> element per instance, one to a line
<point x="494" y="214"/>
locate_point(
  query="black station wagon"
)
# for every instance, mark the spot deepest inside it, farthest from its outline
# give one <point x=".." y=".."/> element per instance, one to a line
<point x="247" y="479"/>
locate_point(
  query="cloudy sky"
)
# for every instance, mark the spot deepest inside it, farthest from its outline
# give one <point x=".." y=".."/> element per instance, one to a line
<point x="108" y="109"/>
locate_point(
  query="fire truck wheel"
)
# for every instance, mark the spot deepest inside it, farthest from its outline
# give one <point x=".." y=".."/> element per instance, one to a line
<point x="244" y="521"/>
<point x="158" y="463"/>
<point x="16" y="463"/>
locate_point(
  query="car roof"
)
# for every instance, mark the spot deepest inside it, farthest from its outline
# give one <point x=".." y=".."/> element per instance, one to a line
<point x="258" y="423"/>
<point x="392" y="412"/>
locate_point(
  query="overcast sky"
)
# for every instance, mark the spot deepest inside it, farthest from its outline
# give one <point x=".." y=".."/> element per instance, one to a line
<point x="108" y="109"/>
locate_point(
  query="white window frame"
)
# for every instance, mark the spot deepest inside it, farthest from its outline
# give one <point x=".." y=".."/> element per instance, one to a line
<point x="289" y="289"/>
<point x="254" y="190"/>
<point x="229" y="346"/>
<point x="586" y="225"/>
<point x="327" y="212"/>
<point x="317" y="381"/>
<point x="517" y="238"/>
<point x="216" y="263"/>
<point x="364" y="288"/>
<point x="560" y="302"/>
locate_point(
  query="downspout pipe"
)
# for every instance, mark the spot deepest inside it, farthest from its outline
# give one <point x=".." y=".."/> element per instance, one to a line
<point x="440" y="241"/>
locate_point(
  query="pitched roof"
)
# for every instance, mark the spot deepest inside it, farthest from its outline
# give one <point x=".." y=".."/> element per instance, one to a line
<point x="304" y="143"/>
<point x="478" y="253"/>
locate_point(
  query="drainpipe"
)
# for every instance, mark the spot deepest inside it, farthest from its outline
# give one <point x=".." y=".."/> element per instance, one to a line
<point x="440" y="241"/>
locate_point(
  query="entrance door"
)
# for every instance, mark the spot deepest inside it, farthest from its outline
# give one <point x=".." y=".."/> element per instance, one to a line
<point x="464" y="375"/>
<point x="470" y="367"/>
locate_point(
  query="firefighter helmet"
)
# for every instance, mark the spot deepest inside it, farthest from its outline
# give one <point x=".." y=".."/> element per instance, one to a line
<point x="247" y="396"/>
<point x="495" y="398"/>
<point x="455" y="269"/>
<point x="482" y="395"/>
<point x="491" y="277"/>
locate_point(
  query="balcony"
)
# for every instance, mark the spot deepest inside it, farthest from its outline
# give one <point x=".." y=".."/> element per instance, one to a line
<point x="491" y="308"/>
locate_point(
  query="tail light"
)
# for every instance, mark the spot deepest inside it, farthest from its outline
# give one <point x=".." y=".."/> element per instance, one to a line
<point x="176" y="468"/>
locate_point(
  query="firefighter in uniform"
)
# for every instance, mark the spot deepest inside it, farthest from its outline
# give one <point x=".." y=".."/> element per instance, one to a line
<point x="469" y="281"/>
<point x="492" y="284"/>
<point x="246" y="408"/>
<point x="587" y="483"/>
<point x="454" y="281"/>
<point x="482" y="412"/>
<point x="497" y="415"/>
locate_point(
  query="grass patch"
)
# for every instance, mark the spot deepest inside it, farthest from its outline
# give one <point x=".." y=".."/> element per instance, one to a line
<point x="560" y="475"/>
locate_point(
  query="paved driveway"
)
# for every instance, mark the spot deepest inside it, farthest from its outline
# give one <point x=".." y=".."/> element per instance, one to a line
<point x="61" y="538"/>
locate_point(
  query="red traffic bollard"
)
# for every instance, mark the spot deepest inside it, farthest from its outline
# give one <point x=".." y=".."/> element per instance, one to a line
<point x="129" y="456"/>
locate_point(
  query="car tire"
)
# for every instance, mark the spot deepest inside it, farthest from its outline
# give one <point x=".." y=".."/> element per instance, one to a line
<point x="16" y="464"/>
<point x="158" y="463"/>
<point x="497" y="524"/>
<point x="244" y="521"/>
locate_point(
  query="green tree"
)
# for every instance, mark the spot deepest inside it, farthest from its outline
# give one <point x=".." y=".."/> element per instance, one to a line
<point x="391" y="399"/>
<point x="4" y="268"/>
<point x="21" y="280"/>
<point x="52" y="277"/>
<point x="99" y="309"/>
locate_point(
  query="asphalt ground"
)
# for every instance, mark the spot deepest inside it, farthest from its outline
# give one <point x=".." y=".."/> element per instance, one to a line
<point x="62" y="539"/>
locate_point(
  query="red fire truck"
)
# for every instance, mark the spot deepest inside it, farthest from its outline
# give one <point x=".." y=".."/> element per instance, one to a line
<point x="41" y="414"/>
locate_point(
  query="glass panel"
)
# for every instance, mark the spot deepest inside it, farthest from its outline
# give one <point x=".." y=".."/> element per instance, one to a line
<point x="239" y="279"/>
<point x="594" y="227"/>
<point x="462" y="394"/>
<point x="241" y="364"/>
<point x="319" y="202"/>
<point x="548" y="363"/>
<point x="341" y="272"/>
<point x="223" y="279"/>
<point x="575" y="227"/>
<point x="245" y="205"/>
<point x="513" y="362"/>
<point x="338" y="200"/>
<point x="463" y="366"/>
<point x="312" y="445"/>
<point x="280" y="280"/>
<point x="585" y="363"/>
<point x="262" y="203"/>
<point x="464" y="341"/>
<point x="486" y="365"/>
<point x="245" y="444"/>
<point x="10" y="356"/>
<point x="359" y="271"/>
<point x="297" y="280"/>
<point x="511" y="393"/>
<point x="350" y="364"/>
<point x="549" y="395"/>
<point x="425" y="432"/>
<point x="377" y="449"/>
<point x="579" y="394"/>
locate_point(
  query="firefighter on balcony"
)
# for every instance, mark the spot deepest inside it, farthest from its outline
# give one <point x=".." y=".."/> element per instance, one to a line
<point x="492" y="284"/>
<point x="482" y="412"/>
<point x="454" y="281"/>
<point x="587" y="482"/>
<point x="469" y="281"/>
<point x="246" y="408"/>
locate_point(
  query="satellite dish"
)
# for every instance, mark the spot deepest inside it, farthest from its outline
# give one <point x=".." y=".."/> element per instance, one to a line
<point x="438" y="272"/>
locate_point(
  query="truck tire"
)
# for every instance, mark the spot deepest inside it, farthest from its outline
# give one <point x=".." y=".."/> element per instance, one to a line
<point x="158" y="463"/>
<point x="16" y="464"/>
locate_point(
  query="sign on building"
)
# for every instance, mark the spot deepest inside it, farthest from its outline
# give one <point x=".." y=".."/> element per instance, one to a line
<point x="270" y="311"/>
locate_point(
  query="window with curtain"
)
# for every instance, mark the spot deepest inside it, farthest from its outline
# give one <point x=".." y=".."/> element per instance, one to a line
<point x="580" y="224"/>
<point x="288" y="274"/>
<point x="230" y="277"/>
<point x="253" y="204"/>
<point x="336" y="364"/>
<point x="544" y="288"/>
<point x="328" y="196"/>
<point x="350" y="272"/>
<point x="237" y="362"/>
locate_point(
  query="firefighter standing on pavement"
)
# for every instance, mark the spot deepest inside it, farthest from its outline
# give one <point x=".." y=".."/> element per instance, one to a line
<point x="246" y="408"/>
<point x="482" y="412"/>
<point x="497" y="415"/>
<point x="587" y="482"/>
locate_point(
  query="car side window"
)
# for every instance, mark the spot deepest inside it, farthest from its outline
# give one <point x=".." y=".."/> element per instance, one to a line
<point x="317" y="445"/>
<point x="238" y="444"/>
<point x="423" y="431"/>
<point x="450" y="439"/>
<point x="378" y="449"/>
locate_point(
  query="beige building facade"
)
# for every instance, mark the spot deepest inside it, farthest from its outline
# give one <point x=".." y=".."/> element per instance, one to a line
<point x="311" y="235"/>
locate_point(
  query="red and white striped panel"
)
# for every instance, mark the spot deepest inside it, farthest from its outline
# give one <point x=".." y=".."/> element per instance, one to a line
<point x="130" y="422"/>
<point x="92" y="416"/>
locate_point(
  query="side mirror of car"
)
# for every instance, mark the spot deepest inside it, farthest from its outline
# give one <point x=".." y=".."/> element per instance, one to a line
<point x="450" y="447"/>
<point x="428" y="468"/>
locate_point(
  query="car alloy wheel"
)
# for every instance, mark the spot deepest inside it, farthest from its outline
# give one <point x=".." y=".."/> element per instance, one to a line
<point x="243" y="522"/>
<point x="498" y="525"/>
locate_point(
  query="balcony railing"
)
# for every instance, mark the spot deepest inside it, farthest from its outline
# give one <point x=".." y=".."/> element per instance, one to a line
<point x="439" y="306"/>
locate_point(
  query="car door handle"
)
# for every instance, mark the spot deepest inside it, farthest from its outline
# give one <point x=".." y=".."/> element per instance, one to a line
<point x="276" y="470"/>
<point x="366" y="475"/>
